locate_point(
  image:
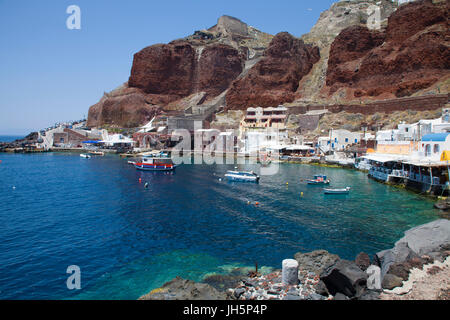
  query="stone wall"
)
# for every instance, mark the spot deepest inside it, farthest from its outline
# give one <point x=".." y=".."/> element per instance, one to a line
<point x="422" y="103"/>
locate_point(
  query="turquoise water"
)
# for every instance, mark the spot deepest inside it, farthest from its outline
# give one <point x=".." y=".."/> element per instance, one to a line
<point x="128" y="240"/>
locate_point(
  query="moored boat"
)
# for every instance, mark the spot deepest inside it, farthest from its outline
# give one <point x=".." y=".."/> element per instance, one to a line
<point x="155" y="162"/>
<point x="337" y="191"/>
<point x="242" y="176"/>
<point x="318" y="179"/>
<point x="84" y="155"/>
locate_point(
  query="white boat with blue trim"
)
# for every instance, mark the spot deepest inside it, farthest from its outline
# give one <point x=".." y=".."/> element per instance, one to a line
<point x="242" y="176"/>
<point x="337" y="191"/>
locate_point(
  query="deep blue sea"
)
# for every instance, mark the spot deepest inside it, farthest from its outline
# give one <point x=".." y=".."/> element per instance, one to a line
<point x="57" y="210"/>
<point x="10" y="138"/>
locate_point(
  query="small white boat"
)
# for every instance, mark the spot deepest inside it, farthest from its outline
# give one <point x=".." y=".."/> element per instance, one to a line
<point x="337" y="191"/>
<point x="242" y="176"/>
<point x="84" y="155"/>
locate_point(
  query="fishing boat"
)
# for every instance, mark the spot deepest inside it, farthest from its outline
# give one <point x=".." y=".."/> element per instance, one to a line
<point x="318" y="179"/>
<point x="155" y="162"/>
<point x="337" y="191"/>
<point x="84" y="155"/>
<point x="242" y="176"/>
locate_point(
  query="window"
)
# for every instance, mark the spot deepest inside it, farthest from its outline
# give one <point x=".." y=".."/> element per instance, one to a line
<point x="436" y="148"/>
<point x="427" y="150"/>
<point x="346" y="139"/>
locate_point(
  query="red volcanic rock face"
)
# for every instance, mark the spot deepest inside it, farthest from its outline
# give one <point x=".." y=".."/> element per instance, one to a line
<point x="127" y="109"/>
<point x="218" y="66"/>
<point x="274" y="79"/>
<point x="164" y="69"/>
<point x="163" y="74"/>
<point x="411" y="55"/>
<point x="177" y="69"/>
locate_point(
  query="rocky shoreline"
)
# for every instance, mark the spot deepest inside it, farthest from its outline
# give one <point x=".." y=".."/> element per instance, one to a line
<point x="420" y="258"/>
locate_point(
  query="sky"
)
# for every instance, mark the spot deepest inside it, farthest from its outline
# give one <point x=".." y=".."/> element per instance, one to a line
<point x="49" y="73"/>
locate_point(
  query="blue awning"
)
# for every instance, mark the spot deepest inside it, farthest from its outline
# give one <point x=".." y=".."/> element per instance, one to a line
<point x="91" y="141"/>
<point x="435" y="136"/>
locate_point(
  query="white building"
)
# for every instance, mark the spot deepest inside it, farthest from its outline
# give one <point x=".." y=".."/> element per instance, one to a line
<point x="339" y="139"/>
<point x="432" y="145"/>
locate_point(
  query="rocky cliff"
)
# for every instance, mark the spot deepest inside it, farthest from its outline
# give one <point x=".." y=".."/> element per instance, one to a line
<point x="275" y="78"/>
<point x="181" y="74"/>
<point x="410" y="55"/>
<point x="346" y="58"/>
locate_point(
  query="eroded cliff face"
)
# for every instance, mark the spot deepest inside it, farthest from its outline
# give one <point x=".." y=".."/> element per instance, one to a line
<point x="340" y="61"/>
<point x="275" y="78"/>
<point x="170" y="77"/>
<point x="411" y="55"/>
<point x="122" y="107"/>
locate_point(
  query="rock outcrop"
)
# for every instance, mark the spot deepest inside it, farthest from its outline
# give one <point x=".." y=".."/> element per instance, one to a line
<point x="179" y="69"/>
<point x="315" y="261"/>
<point x="275" y="79"/>
<point x="345" y="277"/>
<point x="181" y="289"/>
<point x="411" y="55"/>
<point x="427" y="238"/>
<point x="165" y="77"/>
<point x="123" y="107"/>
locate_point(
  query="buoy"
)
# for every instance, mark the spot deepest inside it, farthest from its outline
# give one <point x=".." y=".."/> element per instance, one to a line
<point x="220" y="179"/>
<point x="248" y="202"/>
<point x="301" y="194"/>
<point x="256" y="203"/>
<point x="14" y="187"/>
<point x="146" y="185"/>
<point x="287" y="183"/>
<point x="140" y="180"/>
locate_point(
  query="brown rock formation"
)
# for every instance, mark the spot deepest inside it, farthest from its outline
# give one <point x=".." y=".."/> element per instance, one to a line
<point x="123" y="107"/>
<point x="178" y="69"/>
<point x="275" y="78"/>
<point x="412" y="54"/>
<point x="164" y="69"/>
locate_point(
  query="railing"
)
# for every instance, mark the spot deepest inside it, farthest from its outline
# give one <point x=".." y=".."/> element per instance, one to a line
<point x="384" y="174"/>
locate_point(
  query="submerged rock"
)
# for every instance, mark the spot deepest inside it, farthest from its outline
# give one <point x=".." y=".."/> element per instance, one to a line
<point x="181" y="289"/>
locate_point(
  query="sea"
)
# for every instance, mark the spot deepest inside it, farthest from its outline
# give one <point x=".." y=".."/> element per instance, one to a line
<point x="5" y="138"/>
<point x="59" y="210"/>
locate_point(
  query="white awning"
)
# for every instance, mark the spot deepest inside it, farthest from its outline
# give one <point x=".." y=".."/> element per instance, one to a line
<point x="299" y="147"/>
<point x="385" y="157"/>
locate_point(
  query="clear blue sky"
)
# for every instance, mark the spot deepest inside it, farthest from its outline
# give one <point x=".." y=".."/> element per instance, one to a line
<point x="49" y="73"/>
